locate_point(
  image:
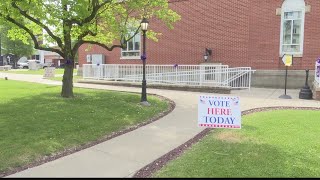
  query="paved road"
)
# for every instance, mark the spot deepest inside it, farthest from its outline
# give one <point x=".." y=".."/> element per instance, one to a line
<point x="126" y="154"/>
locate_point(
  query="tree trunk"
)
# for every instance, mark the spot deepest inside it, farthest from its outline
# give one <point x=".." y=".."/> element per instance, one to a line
<point x="67" y="81"/>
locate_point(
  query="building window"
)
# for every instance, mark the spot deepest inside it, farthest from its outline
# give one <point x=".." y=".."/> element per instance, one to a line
<point x="132" y="51"/>
<point x="292" y="32"/>
<point x="292" y="27"/>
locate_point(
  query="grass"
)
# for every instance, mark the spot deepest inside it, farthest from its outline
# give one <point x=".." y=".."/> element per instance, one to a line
<point x="281" y="143"/>
<point x="38" y="72"/>
<point x="35" y="121"/>
<point x="75" y="78"/>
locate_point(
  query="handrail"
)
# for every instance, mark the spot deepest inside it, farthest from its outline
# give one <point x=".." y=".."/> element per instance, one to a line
<point x="196" y="75"/>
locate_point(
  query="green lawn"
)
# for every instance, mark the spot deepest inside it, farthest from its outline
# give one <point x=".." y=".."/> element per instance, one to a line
<point x="35" y="121"/>
<point x="38" y="72"/>
<point x="281" y="143"/>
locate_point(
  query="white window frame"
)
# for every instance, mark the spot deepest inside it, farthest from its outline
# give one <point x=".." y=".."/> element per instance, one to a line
<point x="132" y="57"/>
<point x="291" y="6"/>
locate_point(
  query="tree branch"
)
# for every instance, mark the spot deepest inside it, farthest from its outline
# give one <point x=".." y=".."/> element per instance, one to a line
<point x="95" y="8"/>
<point x="75" y="48"/>
<point x="103" y="45"/>
<point x="24" y="13"/>
<point x="84" y="34"/>
<point x="135" y="33"/>
<point x="33" y="37"/>
<point x="80" y="37"/>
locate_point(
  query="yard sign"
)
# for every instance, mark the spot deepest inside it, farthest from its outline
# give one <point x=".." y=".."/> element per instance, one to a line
<point x="287" y="60"/>
<point x="219" y="112"/>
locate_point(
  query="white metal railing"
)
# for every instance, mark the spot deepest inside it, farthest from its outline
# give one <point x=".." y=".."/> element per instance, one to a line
<point x="316" y="75"/>
<point x="240" y="77"/>
<point x="192" y="75"/>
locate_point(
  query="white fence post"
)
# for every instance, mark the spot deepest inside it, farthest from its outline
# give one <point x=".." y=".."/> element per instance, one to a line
<point x="250" y="77"/>
<point x="316" y="75"/>
<point x="227" y="77"/>
<point x="315" y="72"/>
<point x="202" y="69"/>
<point x="176" y="68"/>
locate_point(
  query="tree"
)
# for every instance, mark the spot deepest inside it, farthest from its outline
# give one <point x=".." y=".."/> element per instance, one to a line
<point x="63" y="22"/>
<point x="14" y="45"/>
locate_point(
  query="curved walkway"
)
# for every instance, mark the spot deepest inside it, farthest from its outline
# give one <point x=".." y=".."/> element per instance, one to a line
<point x="126" y="154"/>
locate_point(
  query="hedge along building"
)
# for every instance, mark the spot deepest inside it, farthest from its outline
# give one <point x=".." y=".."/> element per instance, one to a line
<point x="250" y="33"/>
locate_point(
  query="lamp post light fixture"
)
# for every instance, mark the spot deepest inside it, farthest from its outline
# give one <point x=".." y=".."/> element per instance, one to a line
<point x="207" y="54"/>
<point x="144" y="28"/>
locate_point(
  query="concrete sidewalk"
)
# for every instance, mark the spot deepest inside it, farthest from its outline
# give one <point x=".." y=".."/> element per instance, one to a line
<point x="126" y="154"/>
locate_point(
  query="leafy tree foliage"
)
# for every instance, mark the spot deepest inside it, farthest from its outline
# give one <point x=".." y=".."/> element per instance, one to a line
<point x="12" y="44"/>
<point x="70" y="23"/>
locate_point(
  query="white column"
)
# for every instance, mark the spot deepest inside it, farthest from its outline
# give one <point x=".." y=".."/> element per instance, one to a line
<point x="41" y="56"/>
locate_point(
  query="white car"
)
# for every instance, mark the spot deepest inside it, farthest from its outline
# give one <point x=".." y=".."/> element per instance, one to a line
<point x="25" y="64"/>
<point x="43" y="65"/>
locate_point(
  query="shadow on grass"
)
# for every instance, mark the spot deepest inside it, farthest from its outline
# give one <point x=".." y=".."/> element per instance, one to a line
<point x="34" y="126"/>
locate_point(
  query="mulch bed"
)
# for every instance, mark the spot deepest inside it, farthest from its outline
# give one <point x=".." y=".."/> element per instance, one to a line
<point x="156" y="165"/>
<point x="66" y="152"/>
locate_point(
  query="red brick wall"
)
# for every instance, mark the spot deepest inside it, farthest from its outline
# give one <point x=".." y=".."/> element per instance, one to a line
<point x="264" y="37"/>
<point x="240" y="33"/>
<point x="311" y="49"/>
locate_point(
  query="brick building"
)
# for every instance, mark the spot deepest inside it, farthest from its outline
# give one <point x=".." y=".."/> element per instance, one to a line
<point x="251" y="33"/>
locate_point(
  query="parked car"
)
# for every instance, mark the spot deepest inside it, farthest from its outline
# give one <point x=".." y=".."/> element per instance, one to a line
<point x="25" y="64"/>
<point x="43" y="65"/>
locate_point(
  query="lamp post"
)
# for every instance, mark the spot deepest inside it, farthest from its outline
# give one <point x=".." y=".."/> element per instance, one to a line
<point x="144" y="28"/>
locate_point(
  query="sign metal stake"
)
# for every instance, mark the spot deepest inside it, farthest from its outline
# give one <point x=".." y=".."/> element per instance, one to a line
<point x="287" y="60"/>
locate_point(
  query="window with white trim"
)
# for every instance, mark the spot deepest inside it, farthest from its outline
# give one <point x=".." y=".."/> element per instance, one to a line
<point x="292" y="27"/>
<point x="132" y="50"/>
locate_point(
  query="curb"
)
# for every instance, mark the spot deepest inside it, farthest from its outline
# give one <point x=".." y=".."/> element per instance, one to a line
<point x="207" y="89"/>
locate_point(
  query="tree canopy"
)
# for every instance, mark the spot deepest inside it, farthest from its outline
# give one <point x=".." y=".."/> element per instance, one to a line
<point x="70" y="23"/>
<point x="11" y="44"/>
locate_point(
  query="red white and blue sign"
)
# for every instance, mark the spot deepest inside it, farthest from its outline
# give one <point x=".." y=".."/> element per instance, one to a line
<point x="219" y="112"/>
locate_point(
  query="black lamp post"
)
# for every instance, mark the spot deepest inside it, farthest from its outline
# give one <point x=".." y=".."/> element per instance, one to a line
<point x="144" y="28"/>
<point x="306" y="92"/>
